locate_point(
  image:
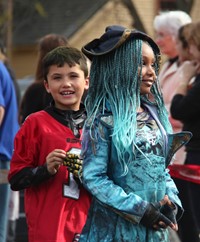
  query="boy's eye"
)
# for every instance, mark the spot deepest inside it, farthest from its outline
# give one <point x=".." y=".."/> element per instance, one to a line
<point x="73" y="76"/>
<point x="56" y="77"/>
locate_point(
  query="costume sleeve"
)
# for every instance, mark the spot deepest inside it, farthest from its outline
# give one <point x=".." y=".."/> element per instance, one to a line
<point x="95" y="178"/>
<point x="172" y="192"/>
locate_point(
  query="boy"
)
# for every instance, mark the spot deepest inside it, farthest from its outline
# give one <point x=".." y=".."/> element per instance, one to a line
<point x="55" y="205"/>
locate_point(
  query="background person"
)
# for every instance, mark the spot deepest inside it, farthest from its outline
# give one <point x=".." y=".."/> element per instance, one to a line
<point x="186" y="107"/>
<point x="8" y="128"/>
<point x="166" y="26"/>
<point x="36" y="98"/>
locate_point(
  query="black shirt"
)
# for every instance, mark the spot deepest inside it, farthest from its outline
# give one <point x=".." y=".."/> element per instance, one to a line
<point x="187" y="109"/>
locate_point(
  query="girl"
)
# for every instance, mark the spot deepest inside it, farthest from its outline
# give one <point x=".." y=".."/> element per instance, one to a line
<point x="125" y="143"/>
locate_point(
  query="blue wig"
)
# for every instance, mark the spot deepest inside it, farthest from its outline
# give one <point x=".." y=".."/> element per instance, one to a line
<point x="115" y="83"/>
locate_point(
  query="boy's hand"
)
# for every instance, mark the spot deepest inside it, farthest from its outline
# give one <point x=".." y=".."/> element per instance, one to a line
<point x="73" y="163"/>
<point x="54" y="160"/>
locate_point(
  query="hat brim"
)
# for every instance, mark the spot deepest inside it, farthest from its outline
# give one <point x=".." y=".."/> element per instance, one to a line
<point x="112" y="39"/>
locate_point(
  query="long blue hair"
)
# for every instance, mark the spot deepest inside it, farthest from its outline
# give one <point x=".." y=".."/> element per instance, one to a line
<point x="115" y="83"/>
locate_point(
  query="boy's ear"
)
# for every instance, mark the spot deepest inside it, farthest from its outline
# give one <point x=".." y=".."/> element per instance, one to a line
<point x="87" y="83"/>
<point x="46" y="85"/>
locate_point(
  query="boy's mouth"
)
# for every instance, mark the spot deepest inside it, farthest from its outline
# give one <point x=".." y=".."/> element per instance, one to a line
<point x="67" y="93"/>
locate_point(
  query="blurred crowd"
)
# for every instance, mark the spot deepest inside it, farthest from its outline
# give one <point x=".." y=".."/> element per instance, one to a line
<point x="178" y="38"/>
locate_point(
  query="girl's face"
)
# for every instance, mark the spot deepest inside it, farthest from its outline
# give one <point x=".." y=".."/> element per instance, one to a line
<point x="148" y="69"/>
<point x="66" y="85"/>
<point x="183" y="53"/>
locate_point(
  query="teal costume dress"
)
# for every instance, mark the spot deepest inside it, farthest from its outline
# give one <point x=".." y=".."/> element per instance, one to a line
<point x="120" y="199"/>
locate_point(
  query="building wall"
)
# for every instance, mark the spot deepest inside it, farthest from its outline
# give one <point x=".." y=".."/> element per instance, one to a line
<point x="147" y="11"/>
<point x="24" y="61"/>
<point x="114" y="12"/>
<point x="195" y="11"/>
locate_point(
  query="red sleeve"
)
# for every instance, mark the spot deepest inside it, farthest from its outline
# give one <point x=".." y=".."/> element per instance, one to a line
<point x="23" y="157"/>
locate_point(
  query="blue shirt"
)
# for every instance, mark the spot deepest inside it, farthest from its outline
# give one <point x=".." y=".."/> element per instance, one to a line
<point x="9" y="125"/>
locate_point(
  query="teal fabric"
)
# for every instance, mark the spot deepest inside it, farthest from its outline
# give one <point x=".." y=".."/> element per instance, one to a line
<point x="117" y="194"/>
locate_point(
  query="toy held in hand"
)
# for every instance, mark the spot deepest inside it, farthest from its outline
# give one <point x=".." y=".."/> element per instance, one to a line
<point x="73" y="163"/>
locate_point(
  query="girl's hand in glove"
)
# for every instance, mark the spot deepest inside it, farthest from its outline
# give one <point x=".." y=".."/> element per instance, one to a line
<point x="154" y="218"/>
<point x="170" y="210"/>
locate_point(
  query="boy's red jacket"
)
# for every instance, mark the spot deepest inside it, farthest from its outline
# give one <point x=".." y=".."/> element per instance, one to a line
<point x="56" y="210"/>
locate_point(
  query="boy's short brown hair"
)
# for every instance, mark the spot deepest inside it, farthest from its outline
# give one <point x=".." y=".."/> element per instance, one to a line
<point x="64" y="55"/>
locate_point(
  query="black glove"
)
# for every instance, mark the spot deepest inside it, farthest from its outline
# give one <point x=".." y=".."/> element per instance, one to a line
<point x="153" y="216"/>
<point x="74" y="164"/>
<point x="169" y="212"/>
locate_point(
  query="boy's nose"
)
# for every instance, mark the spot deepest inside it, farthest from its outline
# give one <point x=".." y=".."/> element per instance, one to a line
<point x="67" y="82"/>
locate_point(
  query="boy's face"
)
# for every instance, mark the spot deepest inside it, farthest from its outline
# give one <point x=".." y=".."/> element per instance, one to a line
<point x="66" y="85"/>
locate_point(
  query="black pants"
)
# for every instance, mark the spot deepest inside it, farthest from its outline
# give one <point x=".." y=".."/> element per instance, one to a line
<point x="11" y="231"/>
<point x="189" y="193"/>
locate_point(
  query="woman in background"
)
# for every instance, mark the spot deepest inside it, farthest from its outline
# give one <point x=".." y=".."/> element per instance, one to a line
<point x="166" y="26"/>
<point x="36" y="98"/>
<point x="186" y="108"/>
